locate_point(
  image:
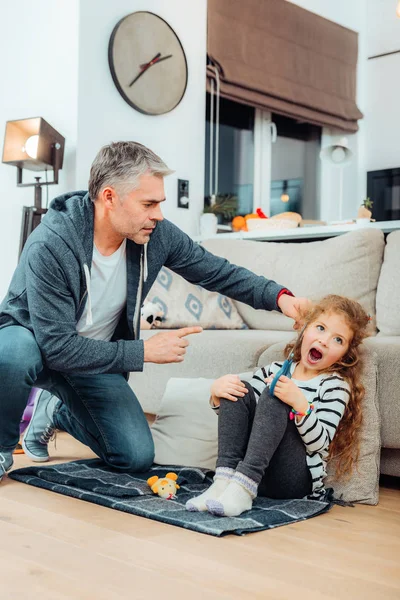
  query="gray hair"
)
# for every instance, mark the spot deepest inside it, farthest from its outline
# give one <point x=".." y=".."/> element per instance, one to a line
<point x="121" y="164"/>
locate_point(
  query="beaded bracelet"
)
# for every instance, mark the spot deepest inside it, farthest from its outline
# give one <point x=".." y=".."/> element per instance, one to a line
<point x="293" y="413"/>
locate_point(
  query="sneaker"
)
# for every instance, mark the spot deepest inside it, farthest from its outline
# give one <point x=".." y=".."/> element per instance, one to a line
<point x="6" y="462"/>
<point x="41" y="427"/>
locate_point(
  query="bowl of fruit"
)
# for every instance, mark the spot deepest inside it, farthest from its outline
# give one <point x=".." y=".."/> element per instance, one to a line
<point x="286" y="220"/>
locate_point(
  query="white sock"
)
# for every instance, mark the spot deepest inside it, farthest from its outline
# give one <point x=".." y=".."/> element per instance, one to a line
<point x="235" y="500"/>
<point x="198" y="504"/>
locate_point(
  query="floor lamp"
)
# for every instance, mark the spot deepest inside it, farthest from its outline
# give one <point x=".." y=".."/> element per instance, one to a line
<point x="338" y="155"/>
<point x="35" y="145"/>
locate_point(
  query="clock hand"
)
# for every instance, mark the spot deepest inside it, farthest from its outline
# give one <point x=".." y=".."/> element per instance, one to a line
<point x="147" y="66"/>
<point x="144" y="67"/>
<point x="160" y="59"/>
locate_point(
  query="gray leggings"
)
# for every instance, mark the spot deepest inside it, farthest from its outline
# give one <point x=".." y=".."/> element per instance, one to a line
<point x="258" y="440"/>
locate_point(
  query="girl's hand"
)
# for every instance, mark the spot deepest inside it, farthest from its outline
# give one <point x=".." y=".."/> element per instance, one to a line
<point x="288" y="392"/>
<point x="229" y="387"/>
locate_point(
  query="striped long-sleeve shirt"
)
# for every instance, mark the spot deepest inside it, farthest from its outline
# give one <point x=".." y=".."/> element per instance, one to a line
<point x="330" y="394"/>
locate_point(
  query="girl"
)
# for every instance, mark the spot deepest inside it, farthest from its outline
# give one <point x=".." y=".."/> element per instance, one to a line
<point x="278" y="445"/>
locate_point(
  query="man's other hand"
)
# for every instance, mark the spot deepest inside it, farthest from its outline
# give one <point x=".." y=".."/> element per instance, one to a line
<point x="295" y="308"/>
<point x="168" y="347"/>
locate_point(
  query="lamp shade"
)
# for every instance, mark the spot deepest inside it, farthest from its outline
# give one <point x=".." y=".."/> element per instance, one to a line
<point x="33" y="144"/>
<point x="338" y="154"/>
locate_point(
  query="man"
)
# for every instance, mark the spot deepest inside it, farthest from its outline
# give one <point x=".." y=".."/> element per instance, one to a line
<point x="70" y="321"/>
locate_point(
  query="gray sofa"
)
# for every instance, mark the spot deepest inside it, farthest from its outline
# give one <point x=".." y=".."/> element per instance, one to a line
<point x="360" y="264"/>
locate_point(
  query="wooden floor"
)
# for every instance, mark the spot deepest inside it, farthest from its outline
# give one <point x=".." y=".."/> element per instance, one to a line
<point x="54" y="547"/>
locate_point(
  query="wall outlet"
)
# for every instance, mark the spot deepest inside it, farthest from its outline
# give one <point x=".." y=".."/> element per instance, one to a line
<point x="183" y="193"/>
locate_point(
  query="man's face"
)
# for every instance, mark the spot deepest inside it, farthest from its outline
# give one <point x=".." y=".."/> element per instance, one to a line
<point x="136" y="214"/>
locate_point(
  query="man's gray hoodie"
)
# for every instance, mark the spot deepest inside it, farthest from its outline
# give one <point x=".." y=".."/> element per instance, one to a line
<point x="51" y="286"/>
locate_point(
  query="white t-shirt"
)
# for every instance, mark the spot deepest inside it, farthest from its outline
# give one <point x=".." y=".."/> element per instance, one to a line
<point x="108" y="290"/>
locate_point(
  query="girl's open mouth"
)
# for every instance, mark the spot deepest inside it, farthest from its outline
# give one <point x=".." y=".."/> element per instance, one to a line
<point x="314" y="356"/>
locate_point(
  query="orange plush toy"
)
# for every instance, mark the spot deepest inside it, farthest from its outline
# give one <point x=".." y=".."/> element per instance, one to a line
<point x="164" y="487"/>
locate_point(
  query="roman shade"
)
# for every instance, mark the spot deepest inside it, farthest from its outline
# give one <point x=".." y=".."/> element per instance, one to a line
<point x="274" y="55"/>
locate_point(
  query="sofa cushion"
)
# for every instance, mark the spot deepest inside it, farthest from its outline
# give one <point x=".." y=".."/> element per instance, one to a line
<point x="363" y="485"/>
<point x="210" y="354"/>
<point x="185" y="431"/>
<point x="387" y="350"/>
<point x="390" y="461"/>
<point x="348" y="264"/>
<point x="185" y="304"/>
<point x="388" y="291"/>
<point x="185" y="428"/>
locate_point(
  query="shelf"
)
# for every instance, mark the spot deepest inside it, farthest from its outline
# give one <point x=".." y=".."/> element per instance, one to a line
<point x="301" y="233"/>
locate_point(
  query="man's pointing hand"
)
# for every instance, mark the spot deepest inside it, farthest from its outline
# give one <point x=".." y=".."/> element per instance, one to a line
<point x="168" y="347"/>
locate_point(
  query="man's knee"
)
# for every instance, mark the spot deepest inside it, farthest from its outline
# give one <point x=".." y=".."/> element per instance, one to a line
<point x="133" y="457"/>
<point x="19" y="353"/>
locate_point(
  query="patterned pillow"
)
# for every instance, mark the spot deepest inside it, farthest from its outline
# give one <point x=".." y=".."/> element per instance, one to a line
<point x="185" y="304"/>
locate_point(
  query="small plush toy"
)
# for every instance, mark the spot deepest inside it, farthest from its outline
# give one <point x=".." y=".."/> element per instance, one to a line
<point x="151" y="314"/>
<point x="164" y="487"/>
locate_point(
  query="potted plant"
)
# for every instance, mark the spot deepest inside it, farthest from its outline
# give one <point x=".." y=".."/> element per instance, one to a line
<point x="217" y="209"/>
<point x="224" y="206"/>
<point x="365" y="212"/>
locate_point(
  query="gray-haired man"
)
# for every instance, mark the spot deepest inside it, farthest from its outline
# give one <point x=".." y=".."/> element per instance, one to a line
<point x="70" y="321"/>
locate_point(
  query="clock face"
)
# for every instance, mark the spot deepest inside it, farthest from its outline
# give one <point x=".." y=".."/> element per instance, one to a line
<point x="147" y="63"/>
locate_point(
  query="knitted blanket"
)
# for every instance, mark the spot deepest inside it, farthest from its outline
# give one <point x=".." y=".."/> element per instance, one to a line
<point x="92" y="481"/>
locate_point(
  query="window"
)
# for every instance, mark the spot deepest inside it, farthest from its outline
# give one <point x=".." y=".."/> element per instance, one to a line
<point x="294" y="165"/>
<point x="265" y="160"/>
<point x="234" y="173"/>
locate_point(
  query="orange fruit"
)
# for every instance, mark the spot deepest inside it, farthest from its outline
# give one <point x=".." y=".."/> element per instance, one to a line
<point x="238" y="223"/>
<point x="251" y="216"/>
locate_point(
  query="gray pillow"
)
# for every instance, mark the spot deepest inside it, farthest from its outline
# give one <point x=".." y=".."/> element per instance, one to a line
<point x="348" y="265"/>
<point x="388" y="292"/>
<point x="185" y="431"/>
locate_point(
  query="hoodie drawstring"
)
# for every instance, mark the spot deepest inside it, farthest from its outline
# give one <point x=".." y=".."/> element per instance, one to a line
<point x="146" y="272"/>
<point x="142" y="278"/>
<point x="89" y="317"/>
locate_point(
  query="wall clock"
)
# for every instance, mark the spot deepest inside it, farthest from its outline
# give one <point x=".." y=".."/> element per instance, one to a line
<point x="147" y="63"/>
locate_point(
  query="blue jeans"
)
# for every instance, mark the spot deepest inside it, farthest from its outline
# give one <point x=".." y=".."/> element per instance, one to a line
<point x="101" y="411"/>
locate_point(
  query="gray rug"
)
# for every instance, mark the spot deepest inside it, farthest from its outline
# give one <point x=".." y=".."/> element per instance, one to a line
<point x="92" y="481"/>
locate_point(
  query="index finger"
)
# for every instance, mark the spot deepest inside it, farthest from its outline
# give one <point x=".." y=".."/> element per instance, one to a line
<point x="188" y="331"/>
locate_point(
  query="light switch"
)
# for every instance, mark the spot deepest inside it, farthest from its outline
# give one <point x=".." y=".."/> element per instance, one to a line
<point x="183" y="193"/>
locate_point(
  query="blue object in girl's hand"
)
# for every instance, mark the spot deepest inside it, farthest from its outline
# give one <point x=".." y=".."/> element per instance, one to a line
<point x="284" y="370"/>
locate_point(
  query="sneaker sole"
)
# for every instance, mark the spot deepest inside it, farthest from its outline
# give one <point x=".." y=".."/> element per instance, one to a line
<point x="26" y="450"/>
<point x="7" y="471"/>
<point x="34" y="457"/>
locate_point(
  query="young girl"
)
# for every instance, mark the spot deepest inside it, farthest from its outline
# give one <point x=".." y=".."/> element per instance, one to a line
<point x="279" y="445"/>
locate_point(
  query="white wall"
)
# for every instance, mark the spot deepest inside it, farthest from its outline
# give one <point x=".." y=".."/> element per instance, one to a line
<point x="103" y="116"/>
<point x="38" y="74"/>
<point x="382" y="109"/>
<point x="56" y="66"/>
